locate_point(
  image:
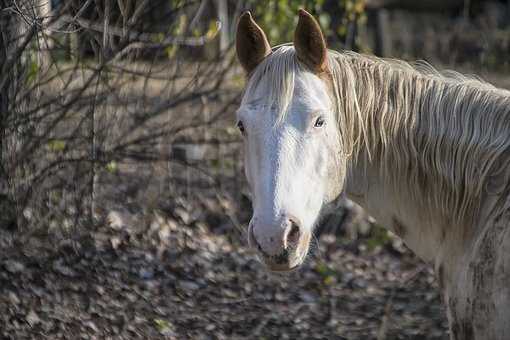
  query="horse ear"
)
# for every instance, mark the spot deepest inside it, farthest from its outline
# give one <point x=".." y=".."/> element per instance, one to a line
<point x="251" y="42"/>
<point x="309" y="43"/>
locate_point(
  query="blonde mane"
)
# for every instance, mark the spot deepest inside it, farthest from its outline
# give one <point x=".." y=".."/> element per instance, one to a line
<point x="444" y="134"/>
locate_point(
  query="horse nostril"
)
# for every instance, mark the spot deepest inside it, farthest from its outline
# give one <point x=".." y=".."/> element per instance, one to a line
<point x="252" y="240"/>
<point x="294" y="233"/>
<point x="275" y="241"/>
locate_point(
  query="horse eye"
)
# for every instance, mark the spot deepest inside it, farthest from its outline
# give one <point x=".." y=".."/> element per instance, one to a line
<point x="319" y="122"/>
<point x="240" y="126"/>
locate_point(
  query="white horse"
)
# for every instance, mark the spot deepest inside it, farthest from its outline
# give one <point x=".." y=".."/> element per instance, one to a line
<point x="426" y="154"/>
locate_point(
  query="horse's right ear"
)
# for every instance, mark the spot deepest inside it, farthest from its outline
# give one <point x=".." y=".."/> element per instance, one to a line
<point x="251" y="43"/>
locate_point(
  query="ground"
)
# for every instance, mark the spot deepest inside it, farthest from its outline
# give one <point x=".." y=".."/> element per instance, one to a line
<point x="171" y="280"/>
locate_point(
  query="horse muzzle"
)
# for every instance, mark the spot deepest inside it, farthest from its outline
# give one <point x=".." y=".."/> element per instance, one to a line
<point x="282" y="246"/>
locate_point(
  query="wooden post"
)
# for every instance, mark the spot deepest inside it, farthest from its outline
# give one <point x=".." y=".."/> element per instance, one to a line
<point x="222" y="10"/>
<point x="380" y="26"/>
<point x="465" y="11"/>
<point x="508" y="12"/>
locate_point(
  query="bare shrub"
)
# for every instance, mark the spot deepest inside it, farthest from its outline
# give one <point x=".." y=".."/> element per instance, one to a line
<point x="100" y="96"/>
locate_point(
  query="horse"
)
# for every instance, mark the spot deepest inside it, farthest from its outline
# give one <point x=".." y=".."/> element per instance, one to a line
<point x="425" y="152"/>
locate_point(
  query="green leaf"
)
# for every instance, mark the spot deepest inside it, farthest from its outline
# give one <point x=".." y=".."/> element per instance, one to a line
<point x="171" y="51"/>
<point x="212" y="31"/>
<point x="56" y="145"/>
<point x="33" y="70"/>
<point x="111" y="167"/>
<point x="324" y="270"/>
<point x="215" y="164"/>
<point x="379" y="237"/>
<point x="329" y="280"/>
<point x="163" y="326"/>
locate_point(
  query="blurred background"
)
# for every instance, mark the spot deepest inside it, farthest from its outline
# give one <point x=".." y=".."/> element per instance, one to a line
<point x="123" y="203"/>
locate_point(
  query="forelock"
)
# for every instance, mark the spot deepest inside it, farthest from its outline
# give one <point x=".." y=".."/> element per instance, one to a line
<point x="276" y="75"/>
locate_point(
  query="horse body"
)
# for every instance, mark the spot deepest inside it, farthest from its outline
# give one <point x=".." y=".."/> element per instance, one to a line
<point x="420" y="198"/>
<point x="475" y="283"/>
<point x="426" y="154"/>
<point x="471" y="261"/>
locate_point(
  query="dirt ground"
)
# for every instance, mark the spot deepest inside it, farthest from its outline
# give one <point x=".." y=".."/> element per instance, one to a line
<point x="166" y="279"/>
<point x="175" y="275"/>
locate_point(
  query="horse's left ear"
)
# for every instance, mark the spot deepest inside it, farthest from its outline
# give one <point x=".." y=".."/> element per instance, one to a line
<point x="309" y="43"/>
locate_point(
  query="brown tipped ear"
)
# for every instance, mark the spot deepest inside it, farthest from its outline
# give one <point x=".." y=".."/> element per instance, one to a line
<point x="251" y="42"/>
<point x="309" y="43"/>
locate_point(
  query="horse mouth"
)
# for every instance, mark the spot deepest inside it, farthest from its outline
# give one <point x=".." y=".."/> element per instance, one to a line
<point x="283" y="269"/>
<point x="290" y="265"/>
<point x="274" y="265"/>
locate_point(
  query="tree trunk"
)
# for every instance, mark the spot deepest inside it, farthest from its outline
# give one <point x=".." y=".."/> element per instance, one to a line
<point x="45" y="44"/>
<point x="15" y="34"/>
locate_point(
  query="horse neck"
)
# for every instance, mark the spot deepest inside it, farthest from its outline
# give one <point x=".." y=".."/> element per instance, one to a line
<point x="408" y="164"/>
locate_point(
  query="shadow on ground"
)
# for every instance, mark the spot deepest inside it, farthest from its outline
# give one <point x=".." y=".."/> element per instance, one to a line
<point x="170" y="281"/>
